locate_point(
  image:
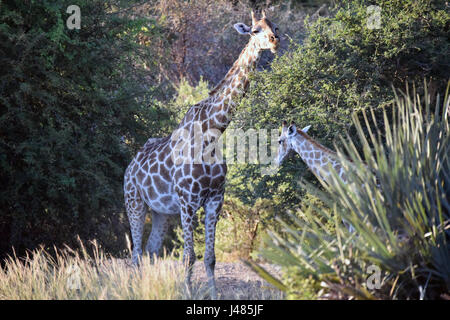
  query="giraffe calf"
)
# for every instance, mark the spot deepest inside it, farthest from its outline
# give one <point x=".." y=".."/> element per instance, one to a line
<point x="319" y="158"/>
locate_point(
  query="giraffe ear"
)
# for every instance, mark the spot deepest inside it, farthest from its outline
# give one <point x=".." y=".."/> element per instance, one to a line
<point x="305" y="129"/>
<point x="292" y="129"/>
<point x="242" y="28"/>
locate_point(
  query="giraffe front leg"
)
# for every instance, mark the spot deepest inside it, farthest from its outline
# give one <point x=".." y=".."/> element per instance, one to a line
<point x="159" y="229"/>
<point x="187" y="220"/>
<point x="212" y="211"/>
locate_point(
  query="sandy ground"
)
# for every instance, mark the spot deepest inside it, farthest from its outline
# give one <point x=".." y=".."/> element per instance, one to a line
<point x="236" y="281"/>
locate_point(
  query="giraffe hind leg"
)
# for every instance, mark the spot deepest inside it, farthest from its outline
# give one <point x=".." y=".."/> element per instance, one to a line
<point x="159" y="230"/>
<point x="136" y="211"/>
<point x="212" y="211"/>
<point x="187" y="215"/>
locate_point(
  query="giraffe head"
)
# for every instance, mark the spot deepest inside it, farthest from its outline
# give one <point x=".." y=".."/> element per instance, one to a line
<point x="285" y="141"/>
<point x="263" y="33"/>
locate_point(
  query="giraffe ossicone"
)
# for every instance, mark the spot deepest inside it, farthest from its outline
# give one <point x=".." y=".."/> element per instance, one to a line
<point x="160" y="178"/>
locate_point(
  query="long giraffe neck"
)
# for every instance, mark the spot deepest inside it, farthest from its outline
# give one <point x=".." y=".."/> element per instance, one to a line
<point x="204" y="122"/>
<point x="233" y="86"/>
<point x="317" y="157"/>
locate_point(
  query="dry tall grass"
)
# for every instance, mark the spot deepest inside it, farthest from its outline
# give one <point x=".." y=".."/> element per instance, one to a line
<point x="78" y="275"/>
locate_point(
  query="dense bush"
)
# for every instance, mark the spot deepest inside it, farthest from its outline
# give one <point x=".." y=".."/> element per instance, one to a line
<point x="397" y="201"/>
<point x="72" y="103"/>
<point x="341" y="67"/>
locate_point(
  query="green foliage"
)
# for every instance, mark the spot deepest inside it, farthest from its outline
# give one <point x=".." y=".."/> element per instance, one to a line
<point x="397" y="201"/>
<point x="190" y="95"/>
<point x="187" y="96"/>
<point x="202" y="42"/>
<point x="73" y="105"/>
<point x="341" y="67"/>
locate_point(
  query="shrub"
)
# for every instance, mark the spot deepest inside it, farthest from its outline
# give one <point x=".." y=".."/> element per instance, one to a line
<point x="397" y="201"/>
<point x="188" y="95"/>
<point x="341" y="67"/>
<point x="73" y="105"/>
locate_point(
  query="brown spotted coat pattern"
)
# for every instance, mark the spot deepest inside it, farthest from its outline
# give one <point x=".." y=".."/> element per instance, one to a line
<point x="155" y="179"/>
<point x="318" y="157"/>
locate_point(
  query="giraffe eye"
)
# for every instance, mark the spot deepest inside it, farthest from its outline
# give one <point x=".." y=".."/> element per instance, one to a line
<point x="255" y="31"/>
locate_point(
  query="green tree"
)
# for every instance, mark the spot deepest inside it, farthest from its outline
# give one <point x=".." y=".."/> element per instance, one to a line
<point x="73" y="104"/>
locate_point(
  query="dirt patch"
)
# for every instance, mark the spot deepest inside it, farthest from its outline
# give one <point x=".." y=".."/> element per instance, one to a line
<point x="236" y="281"/>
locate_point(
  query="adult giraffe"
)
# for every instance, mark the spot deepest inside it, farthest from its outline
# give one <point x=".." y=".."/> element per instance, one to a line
<point x="165" y="180"/>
